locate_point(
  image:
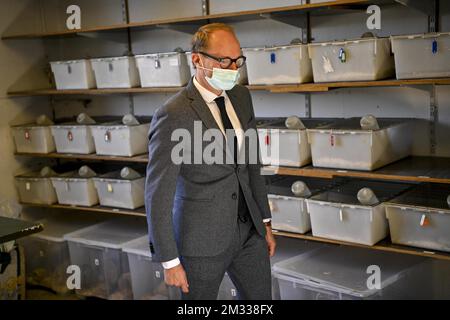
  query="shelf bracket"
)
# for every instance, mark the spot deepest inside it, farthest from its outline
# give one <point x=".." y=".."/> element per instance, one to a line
<point x="308" y="105"/>
<point x="130" y="104"/>
<point x="205" y="7"/>
<point x="434" y="120"/>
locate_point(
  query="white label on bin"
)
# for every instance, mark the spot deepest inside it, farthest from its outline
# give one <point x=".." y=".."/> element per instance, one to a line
<point x="174" y="62"/>
<point x="96" y="262"/>
<point x="28" y="186"/>
<point x="41" y="253"/>
<point x="110" y="188"/>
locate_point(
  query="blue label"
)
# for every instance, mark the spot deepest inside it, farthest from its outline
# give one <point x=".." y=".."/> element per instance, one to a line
<point x="435" y="47"/>
<point x="273" y="58"/>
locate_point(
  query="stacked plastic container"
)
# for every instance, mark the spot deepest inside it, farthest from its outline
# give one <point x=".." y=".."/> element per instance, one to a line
<point x="342" y="273"/>
<point x="36" y="188"/>
<point x="288" y="64"/>
<point x="33" y="138"/>
<point x="147" y="277"/>
<point x="47" y="253"/>
<point x="421" y="217"/>
<point x="285" y="142"/>
<point x="354" y="211"/>
<point x="97" y="250"/>
<point x="362" y="59"/>
<point x="116" y="72"/>
<point x="287" y="201"/>
<point x="73" y="74"/>
<point x="352" y="144"/>
<point x="422" y="56"/>
<point x="169" y="69"/>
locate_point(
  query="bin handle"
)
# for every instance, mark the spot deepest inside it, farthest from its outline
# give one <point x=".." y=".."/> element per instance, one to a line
<point x="27" y="135"/>
<point x="70" y="135"/>
<point x="424" y="221"/>
<point x="342" y="55"/>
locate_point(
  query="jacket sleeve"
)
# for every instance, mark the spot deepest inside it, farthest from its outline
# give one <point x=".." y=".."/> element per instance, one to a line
<point x="160" y="187"/>
<point x="258" y="182"/>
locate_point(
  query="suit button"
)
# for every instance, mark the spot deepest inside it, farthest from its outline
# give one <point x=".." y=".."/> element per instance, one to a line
<point x="234" y="196"/>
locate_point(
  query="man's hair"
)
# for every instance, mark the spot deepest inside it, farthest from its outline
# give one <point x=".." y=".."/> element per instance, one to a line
<point x="201" y="37"/>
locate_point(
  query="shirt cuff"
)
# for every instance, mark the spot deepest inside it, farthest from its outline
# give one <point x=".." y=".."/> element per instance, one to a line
<point x="267" y="220"/>
<point x="170" y="264"/>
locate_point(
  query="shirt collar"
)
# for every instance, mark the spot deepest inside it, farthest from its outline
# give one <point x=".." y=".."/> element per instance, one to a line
<point x="207" y="95"/>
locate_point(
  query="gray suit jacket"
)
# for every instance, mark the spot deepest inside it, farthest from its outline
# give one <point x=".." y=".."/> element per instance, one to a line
<point x="192" y="208"/>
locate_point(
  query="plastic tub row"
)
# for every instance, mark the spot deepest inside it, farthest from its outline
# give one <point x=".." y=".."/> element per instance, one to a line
<point x="112" y="189"/>
<point x="170" y="69"/>
<point x="112" y="137"/>
<point x="363" y="211"/>
<point x="365" y="59"/>
<point x="343" y="143"/>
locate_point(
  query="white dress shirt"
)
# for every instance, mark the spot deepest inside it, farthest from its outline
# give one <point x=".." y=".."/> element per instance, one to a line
<point x="209" y="98"/>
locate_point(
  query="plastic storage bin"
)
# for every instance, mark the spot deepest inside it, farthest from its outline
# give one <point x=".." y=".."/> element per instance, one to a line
<point x="47" y="253"/>
<point x="72" y="189"/>
<point x="104" y="267"/>
<point x="163" y="69"/>
<point x="147" y="277"/>
<point x="71" y="137"/>
<point x="34" y="188"/>
<point x="117" y="72"/>
<point x="278" y="65"/>
<point x="117" y="139"/>
<point x="115" y="191"/>
<point x="340" y="273"/>
<point x="345" y="145"/>
<point x="421" y="217"/>
<point x="289" y="211"/>
<point x="280" y="146"/>
<point x="74" y="74"/>
<point x="338" y="214"/>
<point x="422" y="56"/>
<point x="355" y="60"/>
<point x="33" y="138"/>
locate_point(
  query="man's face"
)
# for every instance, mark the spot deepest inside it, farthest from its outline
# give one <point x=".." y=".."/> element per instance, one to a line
<point x="221" y="44"/>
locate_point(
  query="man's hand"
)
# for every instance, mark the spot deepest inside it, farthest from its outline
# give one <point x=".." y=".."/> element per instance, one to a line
<point x="176" y="276"/>
<point x="271" y="243"/>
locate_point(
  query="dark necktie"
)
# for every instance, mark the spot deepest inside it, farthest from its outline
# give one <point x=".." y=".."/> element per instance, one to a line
<point x="220" y="101"/>
<point x="242" y="206"/>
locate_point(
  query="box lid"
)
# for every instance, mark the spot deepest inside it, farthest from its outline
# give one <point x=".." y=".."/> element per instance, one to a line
<point x="350" y="41"/>
<point x="353" y="124"/>
<point x="110" y="59"/>
<point x="280" y="124"/>
<point x="159" y="55"/>
<point x="138" y="246"/>
<point x="273" y="48"/>
<point x="110" y="234"/>
<point x="423" y="35"/>
<point x="344" y="270"/>
<point x="426" y="196"/>
<point x="57" y="226"/>
<point x="347" y="193"/>
<point x="283" y="186"/>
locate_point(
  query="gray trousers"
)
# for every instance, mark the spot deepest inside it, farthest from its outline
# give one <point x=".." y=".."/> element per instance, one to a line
<point x="246" y="261"/>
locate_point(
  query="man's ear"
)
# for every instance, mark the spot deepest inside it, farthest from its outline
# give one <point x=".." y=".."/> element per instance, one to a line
<point x="195" y="59"/>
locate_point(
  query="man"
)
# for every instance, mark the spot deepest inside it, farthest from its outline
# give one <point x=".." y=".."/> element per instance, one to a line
<point x="208" y="219"/>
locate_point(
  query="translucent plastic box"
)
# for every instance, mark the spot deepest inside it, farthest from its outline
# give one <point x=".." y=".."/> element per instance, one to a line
<point x="422" y="56"/>
<point x="421" y="217"/>
<point x="73" y="74"/>
<point x="147" y="277"/>
<point x="72" y="189"/>
<point x="338" y="213"/>
<point x="345" y="145"/>
<point x="354" y="60"/>
<point x="115" y="191"/>
<point x="117" y="139"/>
<point x="116" y="72"/>
<point x="289" y="210"/>
<point x="281" y="146"/>
<point x="34" y="188"/>
<point x="71" y="137"/>
<point x="341" y="273"/>
<point x="33" y="138"/>
<point x="104" y="267"/>
<point x="163" y="69"/>
<point x="47" y="253"/>
<point x="288" y="64"/>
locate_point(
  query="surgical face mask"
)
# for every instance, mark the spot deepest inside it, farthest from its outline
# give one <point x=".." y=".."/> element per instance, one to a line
<point x="222" y="79"/>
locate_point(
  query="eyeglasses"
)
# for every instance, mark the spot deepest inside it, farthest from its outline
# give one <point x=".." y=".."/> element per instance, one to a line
<point x="226" y="62"/>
